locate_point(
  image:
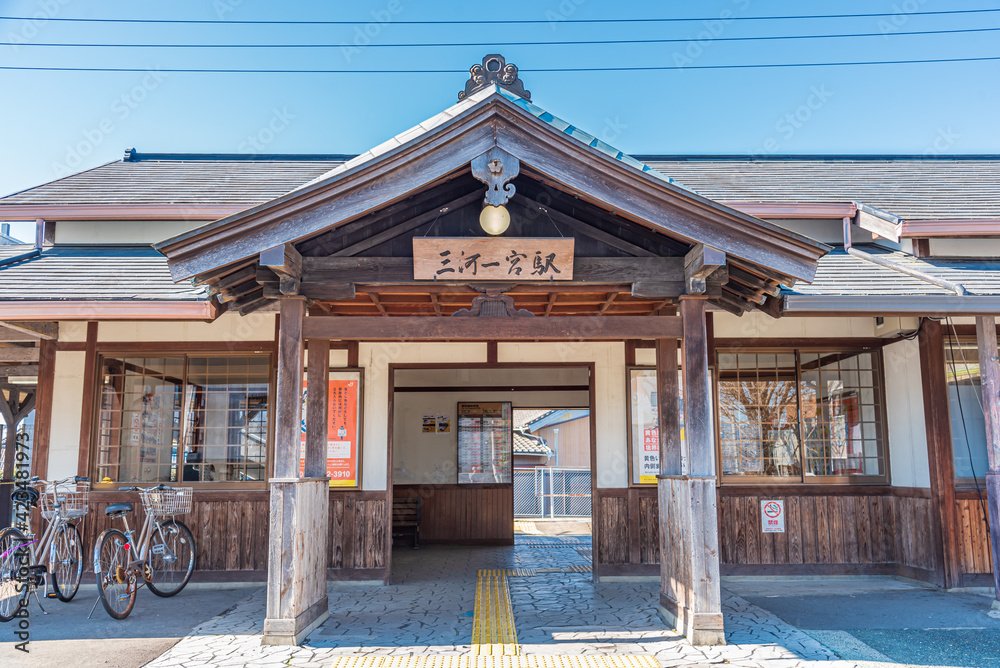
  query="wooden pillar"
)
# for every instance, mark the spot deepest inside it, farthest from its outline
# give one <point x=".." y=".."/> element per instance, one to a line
<point x="317" y="407"/>
<point x="989" y="374"/>
<point x="288" y="403"/>
<point x="669" y="408"/>
<point x="690" y="595"/>
<point x="940" y="458"/>
<point x="299" y="506"/>
<point x="43" y="408"/>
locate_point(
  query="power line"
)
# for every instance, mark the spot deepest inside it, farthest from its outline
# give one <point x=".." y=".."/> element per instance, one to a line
<point x="468" y="44"/>
<point x="505" y="21"/>
<point x="523" y="70"/>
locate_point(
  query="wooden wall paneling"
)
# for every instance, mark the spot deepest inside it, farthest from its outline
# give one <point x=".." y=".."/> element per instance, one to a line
<point x="650" y="528"/>
<point x="751" y="517"/>
<point x="850" y="528"/>
<point x="336" y="531"/>
<point x="634" y="528"/>
<point x="793" y="525"/>
<point x="612" y="546"/>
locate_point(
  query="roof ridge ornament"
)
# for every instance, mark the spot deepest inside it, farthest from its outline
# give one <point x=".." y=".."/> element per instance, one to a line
<point x="494" y="70"/>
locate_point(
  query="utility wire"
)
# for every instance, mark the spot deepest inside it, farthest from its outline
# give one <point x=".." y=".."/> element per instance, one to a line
<point x="522" y="70"/>
<point x="348" y="45"/>
<point x="508" y="21"/>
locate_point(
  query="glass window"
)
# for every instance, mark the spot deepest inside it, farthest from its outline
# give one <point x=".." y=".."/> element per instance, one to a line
<point x="179" y="418"/>
<point x="806" y="415"/>
<point x="758" y="423"/>
<point x="965" y="400"/>
<point x="644" y="428"/>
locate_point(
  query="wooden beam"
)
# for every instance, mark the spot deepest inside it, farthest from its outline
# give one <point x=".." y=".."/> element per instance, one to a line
<point x="989" y="371"/>
<point x="399" y="270"/>
<point x="34" y="330"/>
<point x="317" y="407"/>
<point x="89" y="401"/>
<point x="286" y="262"/>
<point x="7" y="370"/>
<point x="19" y="354"/>
<point x="416" y="328"/>
<point x="288" y="411"/>
<point x="43" y="409"/>
<point x="701" y="262"/>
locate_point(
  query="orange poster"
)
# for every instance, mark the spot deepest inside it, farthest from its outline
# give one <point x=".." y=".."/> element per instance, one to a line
<point x="341" y="434"/>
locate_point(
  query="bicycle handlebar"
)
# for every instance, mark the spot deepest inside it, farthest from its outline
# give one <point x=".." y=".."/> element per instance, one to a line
<point x="143" y="489"/>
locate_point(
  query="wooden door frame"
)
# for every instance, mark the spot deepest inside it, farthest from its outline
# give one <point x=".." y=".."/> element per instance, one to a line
<point x="591" y="367"/>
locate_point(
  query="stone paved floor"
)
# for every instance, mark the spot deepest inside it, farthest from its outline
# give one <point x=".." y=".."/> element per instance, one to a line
<point x="428" y="610"/>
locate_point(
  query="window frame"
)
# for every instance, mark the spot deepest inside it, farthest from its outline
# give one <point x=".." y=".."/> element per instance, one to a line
<point x="125" y="352"/>
<point x="878" y="370"/>
<point x="962" y="484"/>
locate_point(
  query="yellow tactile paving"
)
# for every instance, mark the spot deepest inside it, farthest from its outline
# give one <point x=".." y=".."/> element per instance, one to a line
<point x="497" y="661"/>
<point x="493" y="632"/>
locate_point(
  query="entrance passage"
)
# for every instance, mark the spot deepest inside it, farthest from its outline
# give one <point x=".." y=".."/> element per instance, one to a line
<point x="477" y="446"/>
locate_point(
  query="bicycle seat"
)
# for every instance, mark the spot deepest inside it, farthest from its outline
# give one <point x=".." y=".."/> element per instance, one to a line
<point x="118" y="509"/>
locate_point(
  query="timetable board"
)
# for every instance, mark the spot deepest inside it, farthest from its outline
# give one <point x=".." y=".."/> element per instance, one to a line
<point x="485" y="435"/>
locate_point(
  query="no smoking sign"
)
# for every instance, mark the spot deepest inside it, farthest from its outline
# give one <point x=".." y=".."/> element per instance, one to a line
<point x="772" y="516"/>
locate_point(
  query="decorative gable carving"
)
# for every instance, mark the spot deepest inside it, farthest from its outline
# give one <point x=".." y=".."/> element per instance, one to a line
<point x="494" y="70"/>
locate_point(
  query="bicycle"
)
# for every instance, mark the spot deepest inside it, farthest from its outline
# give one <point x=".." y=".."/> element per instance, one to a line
<point x="162" y="558"/>
<point x="60" y="546"/>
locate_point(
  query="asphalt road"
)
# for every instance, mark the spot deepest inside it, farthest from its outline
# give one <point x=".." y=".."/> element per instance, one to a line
<point x="65" y="637"/>
<point x="885" y="620"/>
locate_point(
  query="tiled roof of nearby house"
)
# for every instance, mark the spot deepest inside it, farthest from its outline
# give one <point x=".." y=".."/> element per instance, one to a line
<point x="91" y="273"/>
<point x="959" y="188"/>
<point x="523" y="417"/>
<point x="526" y="444"/>
<point x="842" y="274"/>
<point x="910" y="187"/>
<point x="181" y="179"/>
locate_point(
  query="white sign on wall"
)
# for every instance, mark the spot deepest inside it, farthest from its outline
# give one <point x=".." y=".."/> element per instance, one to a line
<point x="772" y="516"/>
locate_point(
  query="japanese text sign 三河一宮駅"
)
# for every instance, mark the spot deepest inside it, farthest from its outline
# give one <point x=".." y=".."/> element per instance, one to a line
<point x="492" y="259"/>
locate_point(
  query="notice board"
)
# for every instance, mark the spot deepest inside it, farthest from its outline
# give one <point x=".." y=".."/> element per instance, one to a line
<point x="485" y="436"/>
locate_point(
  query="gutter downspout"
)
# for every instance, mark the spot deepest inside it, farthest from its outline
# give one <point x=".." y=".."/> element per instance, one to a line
<point x="955" y="288"/>
<point x="33" y="253"/>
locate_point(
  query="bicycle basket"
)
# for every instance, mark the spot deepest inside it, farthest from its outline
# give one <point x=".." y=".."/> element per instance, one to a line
<point x="167" y="502"/>
<point x="68" y="501"/>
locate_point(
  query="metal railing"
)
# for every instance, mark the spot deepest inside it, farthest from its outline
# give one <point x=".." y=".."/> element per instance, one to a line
<point x="551" y="492"/>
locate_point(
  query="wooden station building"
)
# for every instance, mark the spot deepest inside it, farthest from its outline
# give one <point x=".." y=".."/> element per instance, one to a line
<point x="780" y="357"/>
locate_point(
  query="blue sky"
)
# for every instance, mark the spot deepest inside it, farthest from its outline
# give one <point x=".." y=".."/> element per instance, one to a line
<point x="54" y="123"/>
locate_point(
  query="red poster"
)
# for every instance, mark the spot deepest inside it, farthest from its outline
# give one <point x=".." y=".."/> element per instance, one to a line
<point x="341" y="434"/>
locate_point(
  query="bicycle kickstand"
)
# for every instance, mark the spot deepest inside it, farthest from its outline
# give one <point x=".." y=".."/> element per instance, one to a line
<point x="38" y="601"/>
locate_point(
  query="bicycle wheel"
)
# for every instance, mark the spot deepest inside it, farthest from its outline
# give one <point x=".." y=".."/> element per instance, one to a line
<point x="171" y="558"/>
<point x="116" y="587"/>
<point x="66" y="562"/>
<point x="12" y="593"/>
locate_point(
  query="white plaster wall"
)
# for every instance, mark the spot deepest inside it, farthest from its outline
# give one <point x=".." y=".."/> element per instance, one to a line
<point x="419" y="457"/>
<point x="609" y="403"/>
<point x="67" y="407"/>
<point x="376" y="358"/>
<point x="134" y="232"/>
<point x="965" y="247"/>
<point x="905" y="412"/>
<point x="227" y="327"/>
<point x="761" y="325"/>
<point x="72" y="331"/>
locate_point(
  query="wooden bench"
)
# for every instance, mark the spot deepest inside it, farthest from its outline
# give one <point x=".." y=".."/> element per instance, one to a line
<point x="406" y="519"/>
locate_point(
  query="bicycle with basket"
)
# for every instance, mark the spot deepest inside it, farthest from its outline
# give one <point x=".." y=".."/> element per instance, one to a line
<point x="161" y="556"/>
<point x="28" y="562"/>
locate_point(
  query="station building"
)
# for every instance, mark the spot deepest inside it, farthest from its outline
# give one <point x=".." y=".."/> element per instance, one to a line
<point x="779" y="355"/>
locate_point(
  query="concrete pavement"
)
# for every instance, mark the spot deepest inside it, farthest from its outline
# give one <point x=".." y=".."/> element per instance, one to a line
<point x="66" y="638"/>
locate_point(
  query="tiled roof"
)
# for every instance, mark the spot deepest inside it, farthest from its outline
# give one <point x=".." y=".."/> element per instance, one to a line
<point x="912" y="188"/>
<point x="523" y="417"/>
<point x="162" y="179"/>
<point x="92" y="273"/>
<point x="842" y="274"/>
<point x="526" y="444"/>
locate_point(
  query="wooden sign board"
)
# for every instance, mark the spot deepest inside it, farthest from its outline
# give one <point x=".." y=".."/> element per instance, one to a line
<point x="492" y="259"/>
